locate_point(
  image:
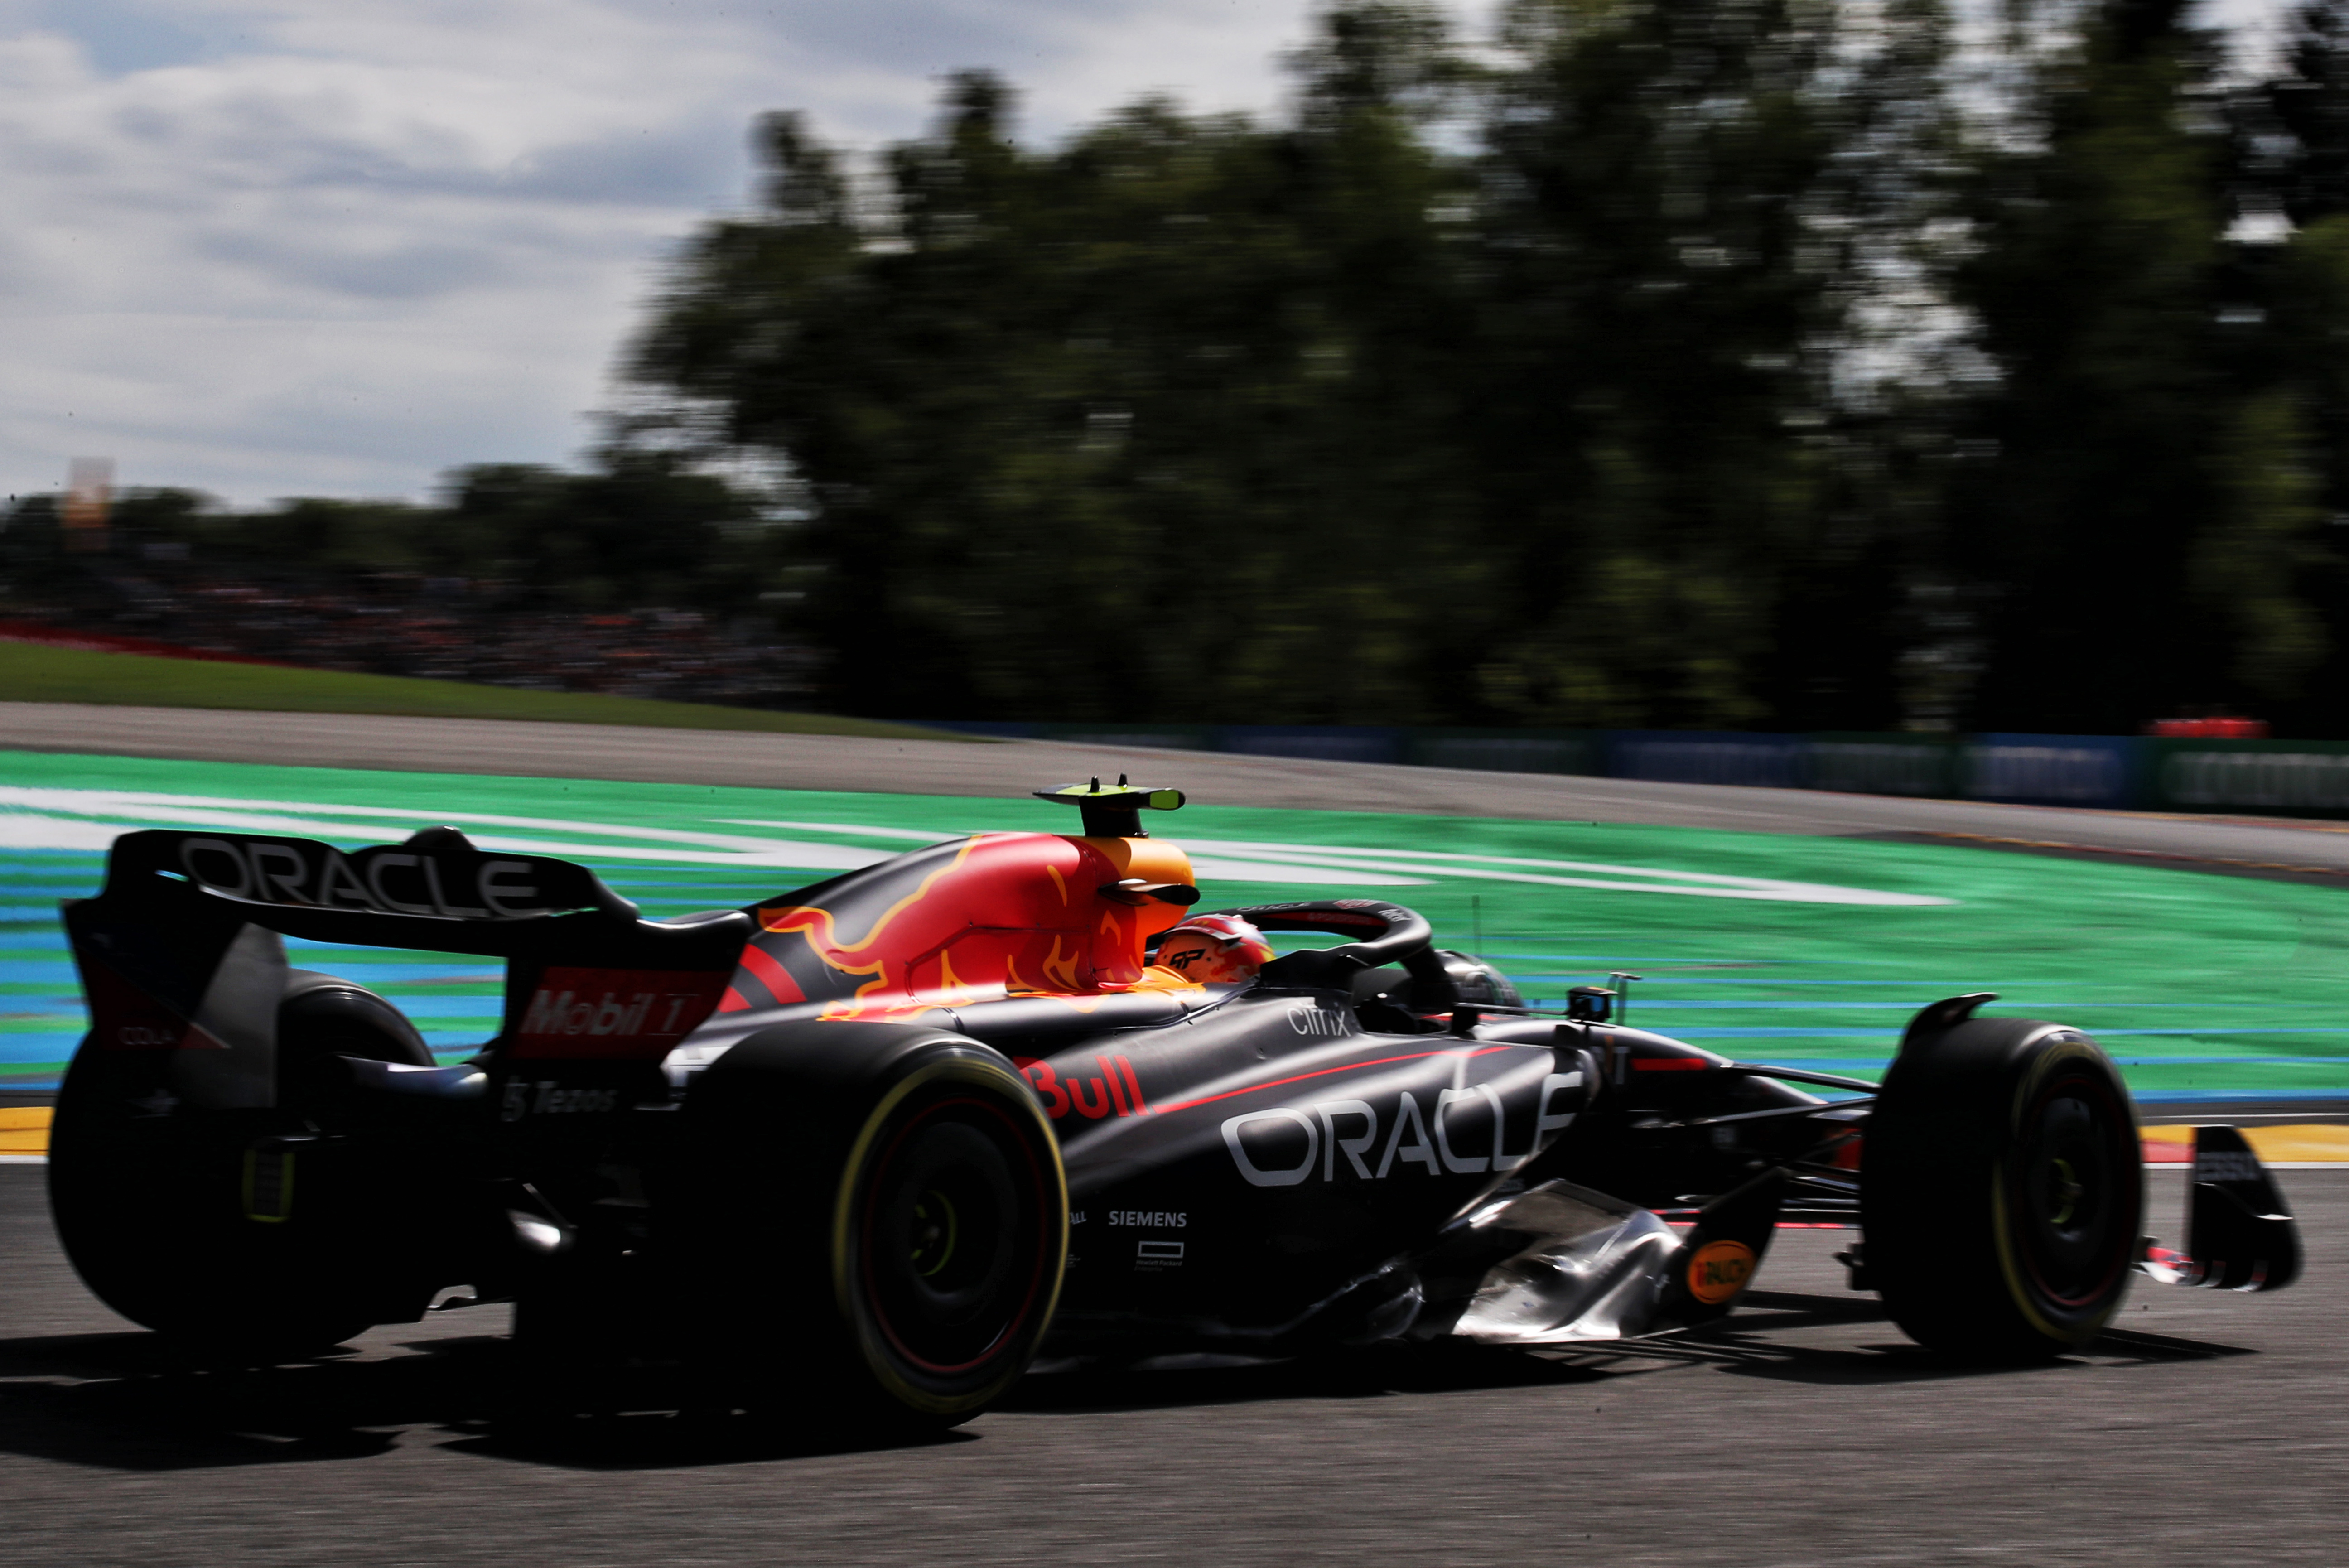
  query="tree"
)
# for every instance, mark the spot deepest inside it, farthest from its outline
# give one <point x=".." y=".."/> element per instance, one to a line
<point x="2096" y="286"/>
<point x="1326" y="421"/>
<point x="1155" y="424"/>
<point x="1668" y="290"/>
<point x="2288" y="579"/>
<point x="641" y="528"/>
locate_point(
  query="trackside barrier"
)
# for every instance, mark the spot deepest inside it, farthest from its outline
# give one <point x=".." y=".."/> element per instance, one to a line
<point x="1707" y="757"/>
<point x="1920" y="765"/>
<point x="1171" y="737"/>
<point x="2054" y="770"/>
<point x="1320" y="742"/>
<point x="2274" y="778"/>
<point x="1508" y="750"/>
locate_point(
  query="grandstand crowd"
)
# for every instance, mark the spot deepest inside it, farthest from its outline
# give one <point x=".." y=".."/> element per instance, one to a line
<point x="448" y="628"/>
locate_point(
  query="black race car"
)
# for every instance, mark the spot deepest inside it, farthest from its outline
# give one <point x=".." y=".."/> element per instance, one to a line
<point x="879" y="1141"/>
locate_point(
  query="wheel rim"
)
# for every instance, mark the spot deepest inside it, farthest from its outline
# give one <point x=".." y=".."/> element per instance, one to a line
<point x="953" y="1237"/>
<point x="2071" y="1189"/>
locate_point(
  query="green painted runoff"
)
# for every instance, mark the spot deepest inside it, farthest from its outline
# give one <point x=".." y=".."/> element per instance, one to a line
<point x="1802" y="950"/>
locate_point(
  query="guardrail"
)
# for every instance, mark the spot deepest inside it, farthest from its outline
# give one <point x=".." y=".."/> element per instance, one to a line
<point x="2270" y="778"/>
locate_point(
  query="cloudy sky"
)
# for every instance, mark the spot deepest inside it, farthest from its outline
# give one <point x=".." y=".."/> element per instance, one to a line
<point x="275" y="247"/>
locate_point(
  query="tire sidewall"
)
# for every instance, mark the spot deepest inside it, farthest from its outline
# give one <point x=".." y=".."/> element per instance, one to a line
<point x="2047" y="1064"/>
<point x="1943" y="1189"/>
<point x="768" y="1200"/>
<point x="150" y="1209"/>
<point x="932" y="1079"/>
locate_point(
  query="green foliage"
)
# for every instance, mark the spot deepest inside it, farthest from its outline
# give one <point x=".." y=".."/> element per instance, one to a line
<point x="1667" y="362"/>
<point x="1655" y="182"/>
<point x="1139" y="425"/>
<point x="642" y="527"/>
<point x="2095" y="284"/>
<point x="2248" y="561"/>
<point x="1324" y="421"/>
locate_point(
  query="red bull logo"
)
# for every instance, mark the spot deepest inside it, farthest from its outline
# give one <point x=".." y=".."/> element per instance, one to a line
<point x="1115" y="1091"/>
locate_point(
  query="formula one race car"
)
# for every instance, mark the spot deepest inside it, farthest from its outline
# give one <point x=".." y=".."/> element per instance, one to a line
<point x="875" y="1143"/>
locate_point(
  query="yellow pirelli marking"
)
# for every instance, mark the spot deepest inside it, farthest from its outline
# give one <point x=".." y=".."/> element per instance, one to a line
<point x="25" y="1129"/>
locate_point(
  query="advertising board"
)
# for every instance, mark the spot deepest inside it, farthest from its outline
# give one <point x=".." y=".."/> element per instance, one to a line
<point x="2270" y="778"/>
<point x="1706" y="756"/>
<point x="1508" y="750"/>
<point x="2052" y="770"/>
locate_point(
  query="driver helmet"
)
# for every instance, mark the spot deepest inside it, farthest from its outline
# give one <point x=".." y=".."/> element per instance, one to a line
<point x="1214" y="950"/>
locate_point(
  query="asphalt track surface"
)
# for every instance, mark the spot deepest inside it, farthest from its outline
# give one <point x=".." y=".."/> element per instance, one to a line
<point x="2212" y="1429"/>
<point x="1803" y="1431"/>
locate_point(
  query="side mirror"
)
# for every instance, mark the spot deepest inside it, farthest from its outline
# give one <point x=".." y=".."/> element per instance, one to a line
<point x="1590" y="1005"/>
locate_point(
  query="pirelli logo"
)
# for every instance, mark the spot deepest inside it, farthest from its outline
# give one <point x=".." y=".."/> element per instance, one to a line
<point x="625" y="1013"/>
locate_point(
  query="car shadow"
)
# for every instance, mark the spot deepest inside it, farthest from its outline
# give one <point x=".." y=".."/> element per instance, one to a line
<point x="681" y="1438"/>
<point x="126" y="1402"/>
<point x="1761" y="1339"/>
<point x="1175" y="1382"/>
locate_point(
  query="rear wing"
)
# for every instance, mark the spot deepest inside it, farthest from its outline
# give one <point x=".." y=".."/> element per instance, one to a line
<point x="435" y="891"/>
<point x="182" y="965"/>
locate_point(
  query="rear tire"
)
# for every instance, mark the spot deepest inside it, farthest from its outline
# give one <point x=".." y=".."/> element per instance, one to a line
<point x="151" y="1208"/>
<point x="324" y="1018"/>
<point x="880" y="1214"/>
<point x="2002" y="1189"/>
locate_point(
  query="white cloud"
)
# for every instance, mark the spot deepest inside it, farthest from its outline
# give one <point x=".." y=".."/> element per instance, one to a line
<point x="268" y="247"/>
<point x="278" y="247"/>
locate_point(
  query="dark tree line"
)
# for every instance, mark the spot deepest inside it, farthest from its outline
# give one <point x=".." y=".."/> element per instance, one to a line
<point x="642" y="527"/>
<point x="1679" y="362"/>
<point x="2146" y="491"/>
<point x="644" y="576"/>
<point x="1688" y="363"/>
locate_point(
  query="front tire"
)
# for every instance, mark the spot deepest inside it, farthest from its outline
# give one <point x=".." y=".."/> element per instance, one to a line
<point x="880" y="1214"/>
<point x="2001" y="1190"/>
